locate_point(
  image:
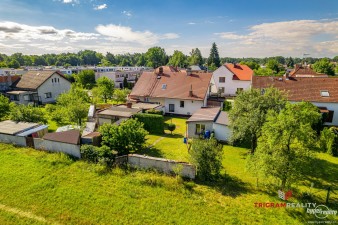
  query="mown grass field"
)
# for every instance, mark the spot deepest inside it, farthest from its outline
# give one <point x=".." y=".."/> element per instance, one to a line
<point x="43" y="188"/>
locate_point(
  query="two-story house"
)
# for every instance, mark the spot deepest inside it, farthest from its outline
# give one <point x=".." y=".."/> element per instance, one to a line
<point x="229" y="79"/>
<point x="39" y="87"/>
<point x="180" y="91"/>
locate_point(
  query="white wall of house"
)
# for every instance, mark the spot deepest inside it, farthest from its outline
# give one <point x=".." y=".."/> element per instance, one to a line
<point x="190" y="106"/>
<point x="55" y="88"/>
<point x="331" y="107"/>
<point x="191" y="128"/>
<point x="222" y="132"/>
<point x="230" y="86"/>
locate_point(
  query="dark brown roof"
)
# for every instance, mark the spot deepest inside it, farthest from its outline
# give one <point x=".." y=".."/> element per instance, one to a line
<point x="4" y="79"/>
<point x="301" y="89"/>
<point x="172" y="84"/>
<point x="69" y="137"/>
<point x="305" y="71"/>
<point x="34" y="79"/>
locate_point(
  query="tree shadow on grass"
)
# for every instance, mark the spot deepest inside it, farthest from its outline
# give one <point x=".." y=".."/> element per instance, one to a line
<point x="151" y="151"/>
<point x="227" y="185"/>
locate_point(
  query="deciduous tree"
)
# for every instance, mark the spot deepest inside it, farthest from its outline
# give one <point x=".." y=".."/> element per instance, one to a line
<point x="86" y="78"/>
<point x="105" y="87"/>
<point x="324" y="66"/>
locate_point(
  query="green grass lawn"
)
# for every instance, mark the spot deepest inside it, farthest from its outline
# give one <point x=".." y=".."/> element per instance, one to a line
<point x="60" y="190"/>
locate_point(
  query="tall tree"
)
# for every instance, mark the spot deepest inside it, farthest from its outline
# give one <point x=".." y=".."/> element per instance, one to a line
<point x="214" y="56"/>
<point x="105" y="87"/>
<point x="324" y="66"/>
<point x="273" y="64"/>
<point x="178" y="59"/>
<point x="290" y="62"/>
<point x="248" y="113"/>
<point x="285" y="145"/>
<point x="253" y="65"/>
<point x="5" y="107"/>
<point x="156" y="57"/>
<point x="86" y="78"/>
<point x="195" y="57"/>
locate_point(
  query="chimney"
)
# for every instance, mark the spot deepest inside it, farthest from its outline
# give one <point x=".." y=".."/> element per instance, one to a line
<point x="160" y="70"/>
<point x="129" y="104"/>
<point x="190" y="92"/>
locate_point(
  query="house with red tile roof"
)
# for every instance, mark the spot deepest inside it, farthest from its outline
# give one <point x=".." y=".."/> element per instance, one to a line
<point x="179" y="91"/>
<point x="229" y="79"/>
<point x="322" y="92"/>
<point x="305" y="71"/>
<point x="6" y="81"/>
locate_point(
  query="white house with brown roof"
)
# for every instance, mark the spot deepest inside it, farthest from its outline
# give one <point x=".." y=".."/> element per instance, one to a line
<point x="180" y="92"/>
<point x="209" y="119"/>
<point x="322" y="92"/>
<point x="39" y="87"/>
<point x="229" y="79"/>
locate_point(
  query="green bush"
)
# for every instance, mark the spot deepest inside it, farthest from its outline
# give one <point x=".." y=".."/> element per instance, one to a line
<point x="95" y="154"/>
<point x="171" y="127"/>
<point x="153" y="123"/>
<point x="227" y="106"/>
<point x="155" y="111"/>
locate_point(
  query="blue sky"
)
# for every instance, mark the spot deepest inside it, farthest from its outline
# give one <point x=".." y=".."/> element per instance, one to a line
<point x="240" y="28"/>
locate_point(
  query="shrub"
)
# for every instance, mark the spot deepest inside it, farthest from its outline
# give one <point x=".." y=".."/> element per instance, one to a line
<point x="128" y="136"/>
<point x="227" y="106"/>
<point x="171" y="127"/>
<point x="327" y="140"/>
<point x="95" y="154"/>
<point x="155" y="111"/>
<point x="153" y="123"/>
<point x="207" y="156"/>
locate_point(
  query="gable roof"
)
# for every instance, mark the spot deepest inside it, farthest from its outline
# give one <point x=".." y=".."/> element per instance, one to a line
<point x="34" y="79"/>
<point x="305" y="71"/>
<point x="301" y="89"/>
<point x="204" y="114"/>
<point x="69" y="137"/>
<point x="172" y="84"/>
<point x="223" y="118"/>
<point x="241" y="72"/>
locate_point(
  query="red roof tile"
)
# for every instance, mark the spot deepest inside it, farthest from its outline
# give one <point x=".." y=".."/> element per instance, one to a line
<point x="4" y="79"/>
<point x="241" y="72"/>
<point x="301" y="89"/>
<point x="305" y="71"/>
<point x="172" y="84"/>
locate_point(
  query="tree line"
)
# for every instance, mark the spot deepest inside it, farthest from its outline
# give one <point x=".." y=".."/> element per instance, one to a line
<point x="154" y="57"/>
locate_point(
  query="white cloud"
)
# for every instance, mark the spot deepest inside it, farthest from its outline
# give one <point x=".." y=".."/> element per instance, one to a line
<point x="70" y="1"/>
<point x="191" y="23"/>
<point x="126" y="34"/>
<point x="284" y="38"/>
<point x="127" y="13"/>
<point x="100" y="7"/>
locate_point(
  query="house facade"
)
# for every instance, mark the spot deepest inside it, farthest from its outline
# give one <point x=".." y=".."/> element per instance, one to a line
<point x="181" y="92"/>
<point x="320" y="91"/>
<point x="39" y="87"/>
<point x="209" y="120"/>
<point x="229" y="79"/>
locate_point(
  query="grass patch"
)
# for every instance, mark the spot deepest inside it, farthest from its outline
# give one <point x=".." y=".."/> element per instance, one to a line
<point x="61" y="190"/>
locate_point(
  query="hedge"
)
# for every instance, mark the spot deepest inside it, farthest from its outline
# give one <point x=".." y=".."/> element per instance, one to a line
<point x="153" y="123"/>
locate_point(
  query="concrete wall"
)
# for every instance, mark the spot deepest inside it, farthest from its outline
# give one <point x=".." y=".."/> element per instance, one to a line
<point x="56" y="88"/>
<point x="230" y="85"/>
<point x="191" y="128"/>
<point x="10" y="139"/>
<point x="222" y="132"/>
<point x="54" y="146"/>
<point x="163" y="165"/>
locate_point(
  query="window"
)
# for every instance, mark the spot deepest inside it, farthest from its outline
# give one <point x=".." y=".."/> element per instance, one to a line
<point x="221" y="90"/>
<point x="48" y="95"/>
<point x="182" y="104"/>
<point x="171" y="108"/>
<point x="239" y="90"/>
<point x="164" y="86"/>
<point x="221" y="79"/>
<point x="58" y="80"/>
<point x="26" y="97"/>
<point x="15" y="97"/>
<point x="200" y="128"/>
<point x="146" y="99"/>
<point x="324" y="93"/>
<point x="329" y="116"/>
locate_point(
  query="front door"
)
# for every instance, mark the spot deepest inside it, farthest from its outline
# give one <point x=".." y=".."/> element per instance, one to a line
<point x="171" y="107"/>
